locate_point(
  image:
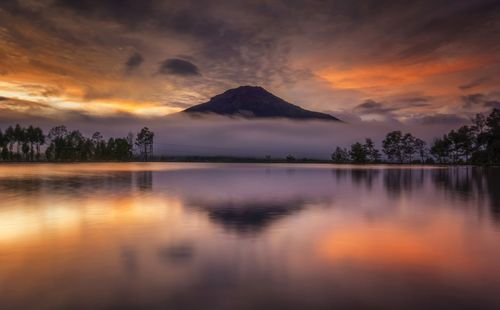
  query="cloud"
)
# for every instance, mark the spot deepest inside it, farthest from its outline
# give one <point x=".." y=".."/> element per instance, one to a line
<point x="473" y="99"/>
<point x="473" y="83"/>
<point x="176" y="66"/>
<point x="372" y="107"/>
<point x="128" y="12"/>
<point x="440" y="119"/>
<point x="133" y="62"/>
<point x="481" y="100"/>
<point x="386" y="49"/>
<point x="422" y="101"/>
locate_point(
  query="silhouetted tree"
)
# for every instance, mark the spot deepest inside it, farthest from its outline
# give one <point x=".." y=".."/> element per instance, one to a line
<point x="392" y="146"/>
<point x="358" y="153"/>
<point x="290" y="158"/>
<point x="31" y="139"/>
<point x="493" y="137"/>
<point x="441" y="149"/>
<point x="408" y="147"/>
<point x="39" y="139"/>
<point x="73" y="146"/>
<point x="463" y="142"/>
<point x="372" y="154"/>
<point x="18" y="138"/>
<point x="144" y="142"/>
<point x="340" y="155"/>
<point x="420" y="147"/>
<point x="3" y="145"/>
<point x="10" y="139"/>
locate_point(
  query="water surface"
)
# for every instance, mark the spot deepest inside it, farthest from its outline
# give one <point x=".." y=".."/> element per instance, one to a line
<point x="247" y="236"/>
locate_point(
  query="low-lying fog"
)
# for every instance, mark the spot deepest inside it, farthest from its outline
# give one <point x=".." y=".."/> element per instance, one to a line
<point x="217" y="135"/>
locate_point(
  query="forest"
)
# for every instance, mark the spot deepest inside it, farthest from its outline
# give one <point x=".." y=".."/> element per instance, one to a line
<point x="62" y="145"/>
<point x="476" y="144"/>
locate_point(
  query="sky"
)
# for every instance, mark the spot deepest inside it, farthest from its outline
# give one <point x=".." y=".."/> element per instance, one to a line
<point x="418" y="62"/>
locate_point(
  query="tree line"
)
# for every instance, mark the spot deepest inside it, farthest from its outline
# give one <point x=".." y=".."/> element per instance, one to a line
<point x="478" y="143"/>
<point x="25" y="143"/>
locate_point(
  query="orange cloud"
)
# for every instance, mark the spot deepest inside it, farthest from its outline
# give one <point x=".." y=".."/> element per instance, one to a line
<point x="378" y="77"/>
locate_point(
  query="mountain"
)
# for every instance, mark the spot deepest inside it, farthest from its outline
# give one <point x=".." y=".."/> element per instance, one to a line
<point x="255" y="102"/>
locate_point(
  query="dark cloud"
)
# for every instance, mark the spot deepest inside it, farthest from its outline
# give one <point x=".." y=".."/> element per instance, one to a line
<point x="440" y="24"/>
<point x="422" y="101"/>
<point x="369" y="105"/>
<point x="473" y="83"/>
<point x="481" y="100"/>
<point x="473" y="99"/>
<point x="372" y="107"/>
<point x="133" y="62"/>
<point x="128" y="12"/>
<point x="441" y="119"/>
<point x="176" y="66"/>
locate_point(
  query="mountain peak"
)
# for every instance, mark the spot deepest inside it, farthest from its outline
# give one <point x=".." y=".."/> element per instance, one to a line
<point x="255" y="102"/>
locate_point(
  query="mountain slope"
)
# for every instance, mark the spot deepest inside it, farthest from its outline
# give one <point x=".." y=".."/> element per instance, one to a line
<point x="255" y="102"/>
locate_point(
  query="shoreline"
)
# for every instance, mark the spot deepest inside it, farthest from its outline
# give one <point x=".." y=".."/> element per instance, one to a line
<point x="245" y="161"/>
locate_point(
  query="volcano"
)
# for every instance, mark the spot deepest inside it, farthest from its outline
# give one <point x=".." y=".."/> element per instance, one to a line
<point x="255" y="102"/>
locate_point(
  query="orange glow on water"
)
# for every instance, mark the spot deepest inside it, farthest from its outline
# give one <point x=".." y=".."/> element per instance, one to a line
<point x="439" y="245"/>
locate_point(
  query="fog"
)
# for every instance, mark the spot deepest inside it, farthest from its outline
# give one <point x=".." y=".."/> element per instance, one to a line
<point x="221" y="136"/>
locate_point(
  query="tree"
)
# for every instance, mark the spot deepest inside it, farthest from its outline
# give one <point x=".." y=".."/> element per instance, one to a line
<point x="58" y="132"/>
<point x="57" y="149"/>
<point x="122" y="149"/>
<point x="3" y="146"/>
<point x="99" y="146"/>
<point x="25" y="148"/>
<point x="372" y="154"/>
<point x="408" y="147"/>
<point x="144" y="142"/>
<point x="479" y="124"/>
<point x="441" y="149"/>
<point x="31" y="140"/>
<point x="10" y="140"/>
<point x="493" y="137"/>
<point x="340" y="155"/>
<point x="19" y="139"/>
<point x="420" y="147"/>
<point x="39" y="138"/>
<point x="391" y="146"/>
<point x="358" y="153"/>
<point x="462" y="142"/>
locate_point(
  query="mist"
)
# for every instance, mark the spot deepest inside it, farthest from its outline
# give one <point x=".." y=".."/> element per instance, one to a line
<point x="180" y="135"/>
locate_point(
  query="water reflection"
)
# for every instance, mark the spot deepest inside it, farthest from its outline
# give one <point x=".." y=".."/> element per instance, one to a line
<point x="401" y="181"/>
<point x="248" y="236"/>
<point x="251" y="218"/>
<point x="177" y="253"/>
<point x="144" y="180"/>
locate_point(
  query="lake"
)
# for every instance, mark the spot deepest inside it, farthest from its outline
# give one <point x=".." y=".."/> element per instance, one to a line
<point x="248" y="236"/>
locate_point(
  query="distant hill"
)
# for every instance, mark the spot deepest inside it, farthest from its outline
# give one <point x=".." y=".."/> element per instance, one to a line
<point x="255" y="102"/>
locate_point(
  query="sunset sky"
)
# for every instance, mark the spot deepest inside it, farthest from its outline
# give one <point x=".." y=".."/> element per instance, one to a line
<point x="418" y="61"/>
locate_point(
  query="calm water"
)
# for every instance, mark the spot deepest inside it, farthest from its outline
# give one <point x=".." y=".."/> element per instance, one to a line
<point x="247" y="236"/>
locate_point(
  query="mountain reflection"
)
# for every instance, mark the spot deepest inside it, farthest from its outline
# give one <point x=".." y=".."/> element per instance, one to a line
<point x="250" y="217"/>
